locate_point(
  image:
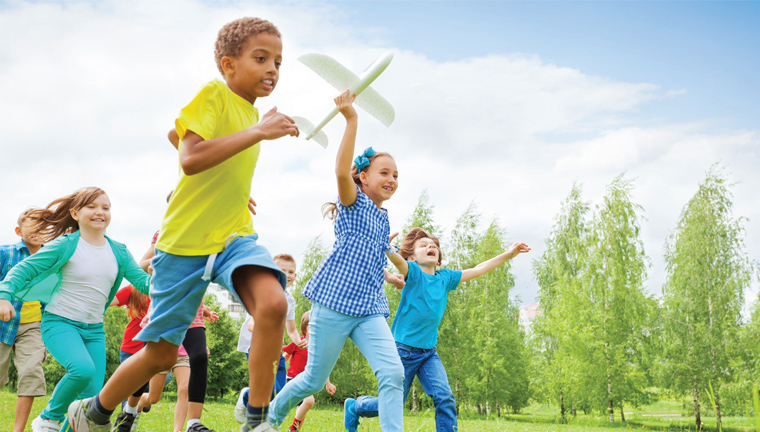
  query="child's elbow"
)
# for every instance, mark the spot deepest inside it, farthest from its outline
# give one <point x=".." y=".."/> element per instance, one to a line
<point x="189" y="166"/>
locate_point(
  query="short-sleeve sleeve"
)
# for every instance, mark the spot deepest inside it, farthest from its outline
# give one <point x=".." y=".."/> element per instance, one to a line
<point x="290" y="348"/>
<point x="452" y="277"/>
<point x="202" y="113"/>
<point x="291" y="315"/>
<point x="122" y="296"/>
<point x="413" y="273"/>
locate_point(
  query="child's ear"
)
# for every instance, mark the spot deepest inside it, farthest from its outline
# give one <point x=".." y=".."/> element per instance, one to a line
<point x="18" y="231"/>
<point x="227" y="65"/>
<point x="74" y="214"/>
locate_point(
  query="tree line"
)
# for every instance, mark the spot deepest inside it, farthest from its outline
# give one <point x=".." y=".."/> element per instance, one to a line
<point x="602" y="341"/>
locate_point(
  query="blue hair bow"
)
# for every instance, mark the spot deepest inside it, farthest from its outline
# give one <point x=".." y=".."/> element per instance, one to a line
<point x="362" y="161"/>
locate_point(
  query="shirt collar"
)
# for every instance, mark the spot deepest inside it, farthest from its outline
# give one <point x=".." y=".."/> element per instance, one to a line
<point x="21" y="245"/>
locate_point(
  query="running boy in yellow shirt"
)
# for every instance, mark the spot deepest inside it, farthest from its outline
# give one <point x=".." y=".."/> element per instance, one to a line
<point x="207" y="233"/>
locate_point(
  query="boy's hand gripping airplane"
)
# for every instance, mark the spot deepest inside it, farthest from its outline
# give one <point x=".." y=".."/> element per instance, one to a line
<point x="341" y="78"/>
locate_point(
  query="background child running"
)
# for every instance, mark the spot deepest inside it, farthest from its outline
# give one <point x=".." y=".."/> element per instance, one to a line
<point x="415" y="326"/>
<point x="193" y="346"/>
<point x="21" y="335"/>
<point x="207" y="233"/>
<point x="77" y="274"/>
<point x="347" y="289"/>
<point x="287" y="264"/>
<point x="298" y="357"/>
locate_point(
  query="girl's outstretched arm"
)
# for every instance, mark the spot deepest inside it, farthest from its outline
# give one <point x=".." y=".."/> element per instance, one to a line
<point x="346" y="185"/>
<point x="487" y="266"/>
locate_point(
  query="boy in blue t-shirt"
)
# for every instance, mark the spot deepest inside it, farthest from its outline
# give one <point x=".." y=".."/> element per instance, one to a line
<point x="415" y="326"/>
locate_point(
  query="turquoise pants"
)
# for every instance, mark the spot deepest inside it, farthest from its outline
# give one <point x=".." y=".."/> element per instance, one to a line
<point x="81" y="349"/>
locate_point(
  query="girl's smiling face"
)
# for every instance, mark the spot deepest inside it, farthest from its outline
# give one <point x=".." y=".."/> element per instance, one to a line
<point x="95" y="216"/>
<point x="380" y="179"/>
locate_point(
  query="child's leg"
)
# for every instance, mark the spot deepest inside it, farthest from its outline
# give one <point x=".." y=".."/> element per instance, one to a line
<point x="262" y="295"/>
<point x="436" y="384"/>
<point x="374" y="339"/>
<point x="304" y="408"/>
<point x="328" y="331"/>
<point x="136" y="370"/>
<point x="182" y="374"/>
<point x="280" y="377"/>
<point x="367" y="406"/>
<point x="195" y="345"/>
<point x="80" y="348"/>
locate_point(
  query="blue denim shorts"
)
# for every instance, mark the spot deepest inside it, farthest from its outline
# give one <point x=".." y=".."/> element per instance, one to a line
<point x="178" y="287"/>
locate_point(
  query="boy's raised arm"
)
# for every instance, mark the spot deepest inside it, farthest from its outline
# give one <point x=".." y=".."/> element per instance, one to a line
<point x="487" y="266"/>
<point x="197" y="155"/>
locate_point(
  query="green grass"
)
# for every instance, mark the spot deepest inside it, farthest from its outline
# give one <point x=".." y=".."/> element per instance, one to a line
<point x="536" y="418"/>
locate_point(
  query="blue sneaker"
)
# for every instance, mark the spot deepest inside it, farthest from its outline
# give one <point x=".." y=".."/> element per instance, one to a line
<point x="350" y="419"/>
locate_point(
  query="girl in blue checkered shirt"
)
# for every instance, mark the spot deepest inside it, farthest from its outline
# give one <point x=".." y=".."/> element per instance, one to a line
<point x="347" y="289"/>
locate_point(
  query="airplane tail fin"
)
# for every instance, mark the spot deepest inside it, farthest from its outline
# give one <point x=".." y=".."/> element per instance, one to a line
<point x="305" y="126"/>
<point x="342" y="78"/>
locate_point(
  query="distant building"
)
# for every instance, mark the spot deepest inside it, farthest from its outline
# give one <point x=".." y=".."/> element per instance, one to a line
<point x="227" y="300"/>
<point x="527" y="315"/>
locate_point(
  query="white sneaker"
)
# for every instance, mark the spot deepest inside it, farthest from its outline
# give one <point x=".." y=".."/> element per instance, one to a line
<point x="78" y="418"/>
<point x="264" y="427"/>
<point x="40" y="424"/>
<point x="240" y="408"/>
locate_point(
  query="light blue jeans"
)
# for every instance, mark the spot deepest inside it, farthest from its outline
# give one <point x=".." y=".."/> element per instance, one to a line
<point x="328" y="331"/>
<point x="427" y="366"/>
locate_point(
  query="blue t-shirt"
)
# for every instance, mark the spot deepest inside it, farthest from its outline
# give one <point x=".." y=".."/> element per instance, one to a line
<point x="423" y="302"/>
<point x="350" y="279"/>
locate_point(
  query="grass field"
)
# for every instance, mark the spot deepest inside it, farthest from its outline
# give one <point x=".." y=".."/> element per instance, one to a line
<point x="536" y="418"/>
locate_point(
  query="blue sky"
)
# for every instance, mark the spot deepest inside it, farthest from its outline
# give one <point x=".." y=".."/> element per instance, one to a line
<point x="709" y="49"/>
<point x="500" y="104"/>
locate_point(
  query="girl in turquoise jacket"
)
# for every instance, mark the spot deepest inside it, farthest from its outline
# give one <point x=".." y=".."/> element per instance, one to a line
<point x="77" y="274"/>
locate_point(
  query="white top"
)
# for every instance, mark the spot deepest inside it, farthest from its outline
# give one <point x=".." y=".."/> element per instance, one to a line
<point x="244" y="340"/>
<point x="87" y="279"/>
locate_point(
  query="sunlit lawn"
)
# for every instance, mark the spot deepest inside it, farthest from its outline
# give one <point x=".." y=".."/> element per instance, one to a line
<point x="537" y="418"/>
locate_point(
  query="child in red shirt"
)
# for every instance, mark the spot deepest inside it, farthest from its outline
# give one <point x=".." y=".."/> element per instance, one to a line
<point x="298" y="358"/>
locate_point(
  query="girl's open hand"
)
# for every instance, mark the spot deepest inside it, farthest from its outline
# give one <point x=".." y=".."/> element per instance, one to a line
<point x="330" y="388"/>
<point x="345" y="104"/>
<point x="517" y="249"/>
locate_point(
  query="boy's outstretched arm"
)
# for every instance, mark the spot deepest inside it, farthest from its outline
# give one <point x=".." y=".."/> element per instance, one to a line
<point x="197" y="155"/>
<point x="400" y="263"/>
<point x="487" y="266"/>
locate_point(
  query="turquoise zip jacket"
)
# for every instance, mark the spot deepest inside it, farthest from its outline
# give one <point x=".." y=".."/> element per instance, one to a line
<point x="38" y="277"/>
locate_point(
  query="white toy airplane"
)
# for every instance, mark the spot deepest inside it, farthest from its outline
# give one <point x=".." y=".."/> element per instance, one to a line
<point x="341" y="78"/>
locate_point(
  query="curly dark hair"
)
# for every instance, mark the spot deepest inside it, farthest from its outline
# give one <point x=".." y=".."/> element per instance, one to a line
<point x="233" y="36"/>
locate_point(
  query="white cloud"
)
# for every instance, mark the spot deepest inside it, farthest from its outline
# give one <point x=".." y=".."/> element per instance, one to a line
<point x="89" y="90"/>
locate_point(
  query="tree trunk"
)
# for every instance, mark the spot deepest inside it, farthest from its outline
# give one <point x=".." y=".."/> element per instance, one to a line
<point x="695" y="395"/>
<point x="622" y="414"/>
<point x="573" y="410"/>
<point x="611" y="410"/>
<point x="562" y="405"/>
<point x="414" y="399"/>
<point x="488" y="409"/>
<point x="498" y="410"/>
<point x="719" y="425"/>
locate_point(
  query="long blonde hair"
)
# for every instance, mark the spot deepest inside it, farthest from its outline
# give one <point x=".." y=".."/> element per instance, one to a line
<point x="330" y="209"/>
<point x="56" y="220"/>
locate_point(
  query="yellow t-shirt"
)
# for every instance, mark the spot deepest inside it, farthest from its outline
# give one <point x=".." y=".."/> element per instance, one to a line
<point x="30" y="312"/>
<point x="209" y="207"/>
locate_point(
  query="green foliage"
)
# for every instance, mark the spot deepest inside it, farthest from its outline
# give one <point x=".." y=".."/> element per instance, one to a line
<point x="708" y="272"/>
<point x="227" y="368"/>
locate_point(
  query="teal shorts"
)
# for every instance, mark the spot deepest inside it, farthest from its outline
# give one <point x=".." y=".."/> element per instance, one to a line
<point x="178" y="285"/>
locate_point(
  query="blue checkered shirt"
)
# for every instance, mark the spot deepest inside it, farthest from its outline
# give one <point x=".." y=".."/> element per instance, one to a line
<point x="350" y="280"/>
<point x="10" y="255"/>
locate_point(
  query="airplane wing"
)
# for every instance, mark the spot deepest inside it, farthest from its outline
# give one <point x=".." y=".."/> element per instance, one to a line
<point x="342" y="78"/>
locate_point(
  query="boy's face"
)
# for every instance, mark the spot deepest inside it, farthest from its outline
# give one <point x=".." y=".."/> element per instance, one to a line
<point x="425" y="252"/>
<point x="29" y="237"/>
<point x="289" y="268"/>
<point x="254" y="73"/>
